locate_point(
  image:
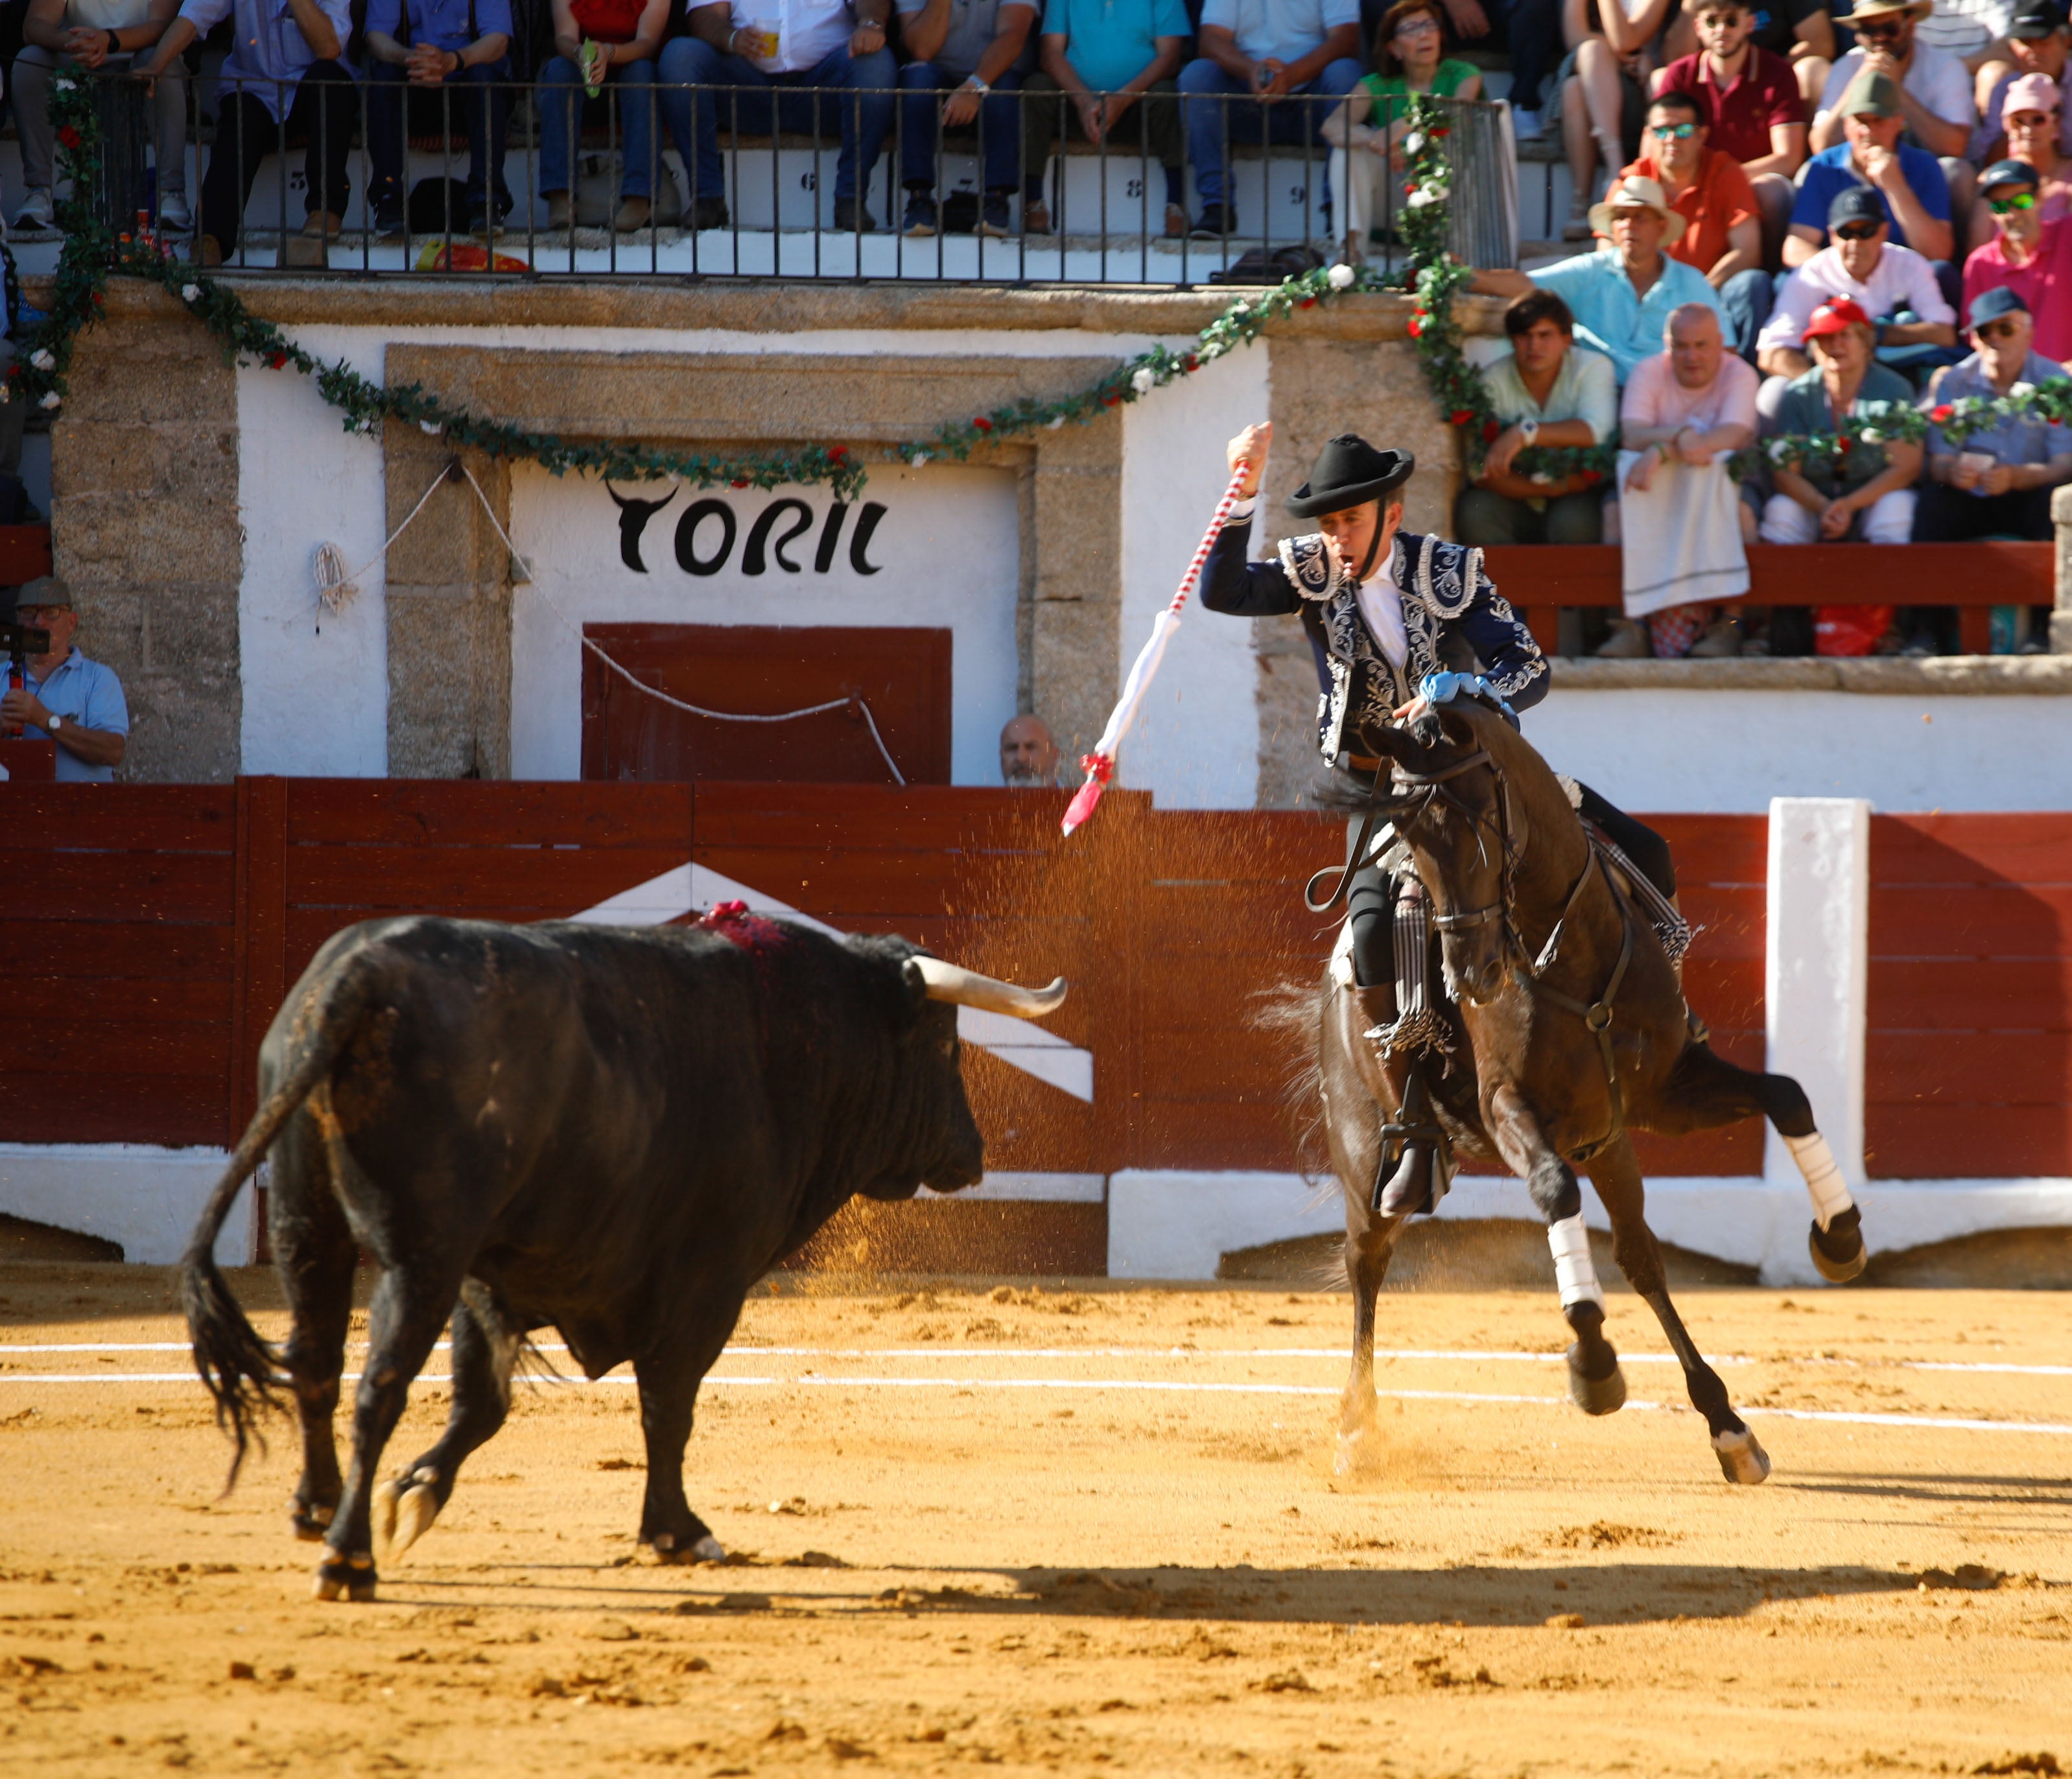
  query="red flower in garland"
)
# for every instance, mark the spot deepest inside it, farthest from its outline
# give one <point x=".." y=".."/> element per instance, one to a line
<point x="1417" y="324"/>
<point x="1460" y="416"/>
<point x="1843" y="443"/>
<point x="742" y="482"/>
<point x="838" y="453"/>
<point x="1441" y="133"/>
<point x="1110" y="399"/>
<point x="68" y="136"/>
<point x="1592" y="478"/>
<point x="982" y="423"/>
<point x="1490" y="430"/>
<point x="1307" y="302"/>
<point x="1941" y="412"/>
<point x="1191" y="363"/>
<point x="279" y="361"/>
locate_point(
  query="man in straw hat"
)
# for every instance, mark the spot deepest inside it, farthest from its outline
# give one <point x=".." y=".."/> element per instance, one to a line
<point x="1397" y="621"/>
<point x="1935" y="87"/>
<point x="1911" y="186"/>
<point x="1620" y="295"/>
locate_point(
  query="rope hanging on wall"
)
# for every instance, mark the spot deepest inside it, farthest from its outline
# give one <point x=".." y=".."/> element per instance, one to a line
<point x="336" y="588"/>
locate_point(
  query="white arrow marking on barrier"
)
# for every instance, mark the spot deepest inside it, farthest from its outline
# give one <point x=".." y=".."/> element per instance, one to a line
<point x="1015" y="1041"/>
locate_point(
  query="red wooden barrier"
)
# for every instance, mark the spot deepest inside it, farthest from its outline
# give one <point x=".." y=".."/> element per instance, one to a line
<point x="153" y="931"/>
<point x="1969" y="1062"/>
<point x="1541" y="578"/>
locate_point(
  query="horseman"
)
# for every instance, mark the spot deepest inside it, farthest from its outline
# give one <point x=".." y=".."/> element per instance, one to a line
<point x="1397" y="622"/>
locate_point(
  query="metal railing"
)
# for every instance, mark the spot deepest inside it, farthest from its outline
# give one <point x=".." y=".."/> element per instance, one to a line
<point x="775" y="212"/>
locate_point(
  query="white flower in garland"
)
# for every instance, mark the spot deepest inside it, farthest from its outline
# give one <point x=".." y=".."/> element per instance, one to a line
<point x="432" y="427"/>
<point x="1342" y="276"/>
<point x="42" y="360"/>
<point x="1144" y="380"/>
<point x="1413" y="143"/>
<point x="1872" y="436"/>
<point x="2021" y="391"/>
<point x="918" y="458"/>
<point x="53" y="401"/>
<point x="1055" y="421"/>
<point x="190" y="292"/>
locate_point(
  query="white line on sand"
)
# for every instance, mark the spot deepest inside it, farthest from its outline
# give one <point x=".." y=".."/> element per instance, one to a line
<point x="1466" y="1355"/>
<point x="1939" y="1423"/>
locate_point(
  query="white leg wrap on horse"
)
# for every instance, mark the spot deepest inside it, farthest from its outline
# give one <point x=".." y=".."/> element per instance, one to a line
<point x="1823" y="1176"/>
<point x="1573" y="1269"/>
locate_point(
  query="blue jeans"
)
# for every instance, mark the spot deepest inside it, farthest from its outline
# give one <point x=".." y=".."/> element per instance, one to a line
<point x="1295" y="118"/>
<point x="560" y="99"/>
<point x="1746" y="298"/>
<point x="778" y="102"/>
<point x="920" y="126"/>
<point x="481" y="110"/>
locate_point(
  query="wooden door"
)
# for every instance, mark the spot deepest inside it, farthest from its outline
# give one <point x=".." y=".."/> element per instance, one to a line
<point x="901" y="677"/>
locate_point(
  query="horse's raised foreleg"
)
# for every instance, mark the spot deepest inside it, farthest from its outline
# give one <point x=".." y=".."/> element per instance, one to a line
<point x="1705" y="1091"/>
<point x="1616" y="1175"/>
<point x="1595" y="1380"/>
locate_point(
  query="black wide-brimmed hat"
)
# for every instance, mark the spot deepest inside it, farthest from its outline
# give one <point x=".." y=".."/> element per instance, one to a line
<point x="1349" y="471"/>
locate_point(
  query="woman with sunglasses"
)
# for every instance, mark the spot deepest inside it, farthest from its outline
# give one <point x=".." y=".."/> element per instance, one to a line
<point x="2032" y="116"/>
<point x="1366" y="131"/>
<point x="2028" y="255"/>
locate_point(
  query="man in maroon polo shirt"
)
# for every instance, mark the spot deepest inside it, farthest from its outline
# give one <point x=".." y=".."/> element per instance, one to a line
<point x="1753" y="108"/>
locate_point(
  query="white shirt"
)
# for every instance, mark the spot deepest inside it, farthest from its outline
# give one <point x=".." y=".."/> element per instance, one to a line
<point x="808" y="31"/>
<point x="1964" y="27"/>
<point x="1281" y="30"/>
<point x="1379" y="597"/>
<point x="1902" y="279"/>
<point x="1938" y="79"/>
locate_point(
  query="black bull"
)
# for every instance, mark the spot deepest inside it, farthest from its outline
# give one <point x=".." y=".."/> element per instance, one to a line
<point x="613" y="1132"/>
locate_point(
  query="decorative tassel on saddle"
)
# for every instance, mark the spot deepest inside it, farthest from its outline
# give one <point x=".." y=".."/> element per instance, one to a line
<point x="1669" y="926"/>
<point x="1418" y="1027"/>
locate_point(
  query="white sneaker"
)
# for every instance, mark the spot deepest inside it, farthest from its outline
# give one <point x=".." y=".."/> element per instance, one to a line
<point x="39" y="211"/>
<point x="175" y="216"/>
<point x="1526" y="124"/>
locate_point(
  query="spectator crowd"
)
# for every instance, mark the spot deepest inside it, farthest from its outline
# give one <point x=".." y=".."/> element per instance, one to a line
<point x="1869" y="206"/>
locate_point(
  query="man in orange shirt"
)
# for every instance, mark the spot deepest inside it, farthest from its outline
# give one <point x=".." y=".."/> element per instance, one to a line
<point x="1722" y="223"/>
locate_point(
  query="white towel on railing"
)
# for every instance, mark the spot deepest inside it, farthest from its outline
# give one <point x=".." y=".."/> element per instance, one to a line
<point x="1683" y="537"/>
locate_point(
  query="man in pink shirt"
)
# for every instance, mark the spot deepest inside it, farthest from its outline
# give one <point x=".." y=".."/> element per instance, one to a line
<point x="2028" y="255"/>
<point x="1680" y="519"/>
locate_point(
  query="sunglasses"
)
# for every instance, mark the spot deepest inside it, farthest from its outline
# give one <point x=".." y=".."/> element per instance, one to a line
<point x="1880" y="33"/>
<point x="1419" y="27"/>
<point x="1858" y="231"/>
<point x="1999" y="330"/>
<point x="1674" y="132"/>
<point x="2033" y="120"/>
<point x="2021" y="200"/>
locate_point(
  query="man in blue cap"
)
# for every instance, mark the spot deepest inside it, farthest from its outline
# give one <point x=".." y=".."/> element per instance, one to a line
<point x="1995" y="483"/>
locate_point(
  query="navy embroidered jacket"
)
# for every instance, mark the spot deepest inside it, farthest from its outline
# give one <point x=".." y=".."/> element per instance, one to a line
<point x="1452" y="617"/>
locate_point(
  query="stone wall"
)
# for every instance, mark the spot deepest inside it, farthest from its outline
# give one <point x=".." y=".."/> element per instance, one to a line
<point x="144" y="526"/>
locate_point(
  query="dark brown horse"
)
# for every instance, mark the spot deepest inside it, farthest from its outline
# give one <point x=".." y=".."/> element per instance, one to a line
<point x="1569" y="1030"/>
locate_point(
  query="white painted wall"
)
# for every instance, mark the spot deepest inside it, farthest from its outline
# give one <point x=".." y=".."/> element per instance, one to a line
<point x="1196" y="744"/>
<point x="145" y="1198"/>
<point x="1720" y="753"/>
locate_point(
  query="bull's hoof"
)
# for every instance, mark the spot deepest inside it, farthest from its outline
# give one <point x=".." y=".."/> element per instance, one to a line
<point x="1598" y="1396"/>
<point x="310" y="1523"/>
<point x="403" y="1510"/>
<point x="1741" y="1459"/>
<point x="667" y="1547"/>
<point x="345" y="1577"/>
<point x="1838" y="1250"/>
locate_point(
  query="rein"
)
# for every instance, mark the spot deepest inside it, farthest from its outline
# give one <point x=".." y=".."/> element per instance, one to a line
<point x="1596" y="1015"/>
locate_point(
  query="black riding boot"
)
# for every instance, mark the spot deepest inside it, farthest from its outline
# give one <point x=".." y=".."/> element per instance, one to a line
<point x="1410" y="1187"/>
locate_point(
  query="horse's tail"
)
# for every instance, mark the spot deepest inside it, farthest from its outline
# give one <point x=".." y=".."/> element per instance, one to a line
<point x="1292" y="1012"/>
<point x="239" y="1366"/>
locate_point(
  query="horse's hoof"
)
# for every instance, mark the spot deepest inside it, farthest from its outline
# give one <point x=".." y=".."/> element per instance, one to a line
<point x="414" y="1515"/>
<point x="709" y="1549"/>
<point x="1741" y="1459"/>
<point x="345" y="1577"/>
<point x="309" y="1523"/>
<point x="1838" y="1250"/>
<point x="382" y="1513"/>
<point x="1604" y="1395"/>
<point x="1354" y="1453"/>
<point x="664" y="1548"/>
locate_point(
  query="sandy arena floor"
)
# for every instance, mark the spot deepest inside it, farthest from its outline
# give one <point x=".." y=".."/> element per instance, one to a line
<point x="1085" y="1530"/>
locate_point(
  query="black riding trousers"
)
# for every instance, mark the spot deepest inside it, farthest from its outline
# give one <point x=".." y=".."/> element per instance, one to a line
<point x="1370" y="894"/>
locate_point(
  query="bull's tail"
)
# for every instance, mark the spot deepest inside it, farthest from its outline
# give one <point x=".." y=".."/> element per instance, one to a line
<point x="241" y="1368"/>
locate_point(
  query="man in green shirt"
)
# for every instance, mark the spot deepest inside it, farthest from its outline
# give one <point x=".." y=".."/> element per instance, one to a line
<point x="1548" y="393"/>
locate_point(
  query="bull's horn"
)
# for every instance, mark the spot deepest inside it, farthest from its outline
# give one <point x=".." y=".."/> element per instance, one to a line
<point x="968" y="988"/>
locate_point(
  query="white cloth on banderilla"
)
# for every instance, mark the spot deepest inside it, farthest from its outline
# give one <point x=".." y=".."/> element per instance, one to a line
<point x="1682" y="537"/>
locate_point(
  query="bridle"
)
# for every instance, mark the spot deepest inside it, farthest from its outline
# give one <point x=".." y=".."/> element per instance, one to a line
<point x="1527" y="971"/>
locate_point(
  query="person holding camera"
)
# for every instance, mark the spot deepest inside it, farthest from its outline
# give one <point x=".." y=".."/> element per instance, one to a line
<point x="68" y="699"/>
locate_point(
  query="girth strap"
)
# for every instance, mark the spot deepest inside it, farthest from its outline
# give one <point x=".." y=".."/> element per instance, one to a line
<point x="1596" y="1016"/>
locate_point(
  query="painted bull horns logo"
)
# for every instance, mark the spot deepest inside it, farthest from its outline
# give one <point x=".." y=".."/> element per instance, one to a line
<point x="762" y="546"/>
